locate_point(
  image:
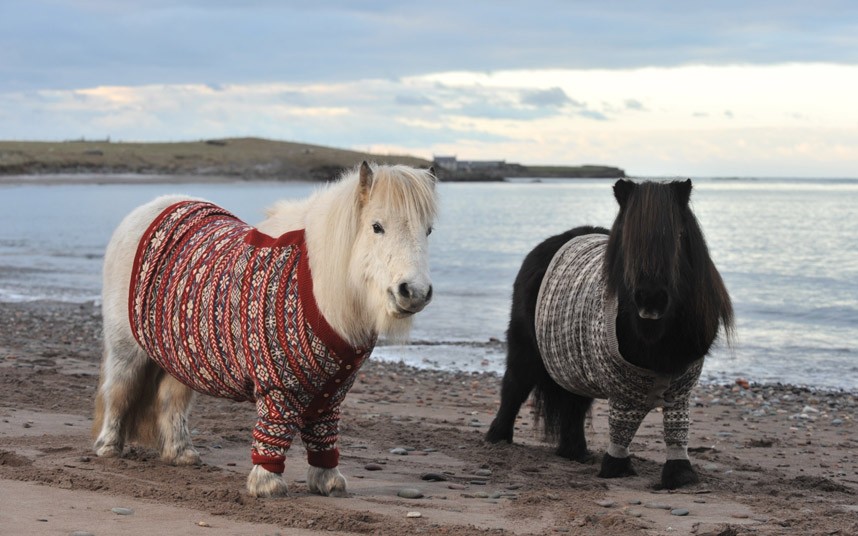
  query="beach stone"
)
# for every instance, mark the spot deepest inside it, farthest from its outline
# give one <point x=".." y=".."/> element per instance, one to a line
<point x="837" y="422"/>
<point x="413" y="514"/>
<point x="483" y="472"/>
<point x="480" y="495"/>
<point x="679" y="512"/>
<point x="373" y="467"/>
<point x="399" y="451"/>
<point x="495" y="495"/>
<point x="433" y="477"/>
<point x="410" y="493"/>
<point x="430" y="449"/>
<point x="634" y="513"/>
<point x="635" y="502"/>
<point x="605" y="503"/>
<point x="122" y="511"/>
<point x="457" y="486"/>
<point x="477" y="482"/>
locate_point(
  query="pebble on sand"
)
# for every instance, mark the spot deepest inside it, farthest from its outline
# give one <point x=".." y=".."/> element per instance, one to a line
<point x="483" y="472"/>
<point x="410" y="493"/>
<point x="373" y="467"/>
<point x="413" y="514"/>
<point x="605" y="503"/>
<point x="399" y="451"/>
<point x="679" y="512"/>
<point x="122" y="511"/>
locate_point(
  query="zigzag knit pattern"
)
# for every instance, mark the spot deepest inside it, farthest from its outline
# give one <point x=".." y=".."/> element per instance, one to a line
<point x="576" y="335"/>
<point x="230" y="312"/>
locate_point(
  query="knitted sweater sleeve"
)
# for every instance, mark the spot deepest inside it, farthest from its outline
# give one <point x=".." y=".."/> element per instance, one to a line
<point x="320" y="435"/>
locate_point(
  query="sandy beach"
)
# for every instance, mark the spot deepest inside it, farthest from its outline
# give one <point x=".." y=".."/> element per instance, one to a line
<point x="772" y="459"/>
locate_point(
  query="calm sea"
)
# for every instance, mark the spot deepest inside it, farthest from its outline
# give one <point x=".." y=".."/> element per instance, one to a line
<point x="787" y="249"/>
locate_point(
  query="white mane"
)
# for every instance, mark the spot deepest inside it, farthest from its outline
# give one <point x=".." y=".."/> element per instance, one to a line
<point x="331" y="219"/>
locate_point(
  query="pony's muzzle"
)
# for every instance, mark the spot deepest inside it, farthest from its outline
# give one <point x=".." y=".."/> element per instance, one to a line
<point x="411" y="298"/>
<point x="651" y="304"/>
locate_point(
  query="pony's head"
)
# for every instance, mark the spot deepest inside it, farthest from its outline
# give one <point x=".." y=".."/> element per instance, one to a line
<point x="657" y="262"/>
<point x="396" y="210"/>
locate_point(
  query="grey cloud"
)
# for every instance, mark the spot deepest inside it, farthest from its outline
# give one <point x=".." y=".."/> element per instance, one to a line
<point x="546" y="98"/>
<point x="632" y="104"/>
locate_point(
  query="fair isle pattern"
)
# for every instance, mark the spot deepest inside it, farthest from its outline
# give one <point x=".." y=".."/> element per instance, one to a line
<point x="230" y="312"/>
<point x="576" y="335"/>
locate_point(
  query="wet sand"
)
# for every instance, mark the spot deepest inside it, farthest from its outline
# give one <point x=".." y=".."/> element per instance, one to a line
<point x="772" y="459"/>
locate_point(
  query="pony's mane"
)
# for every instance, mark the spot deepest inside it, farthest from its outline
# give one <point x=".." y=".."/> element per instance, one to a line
<point x="407" y="191"/>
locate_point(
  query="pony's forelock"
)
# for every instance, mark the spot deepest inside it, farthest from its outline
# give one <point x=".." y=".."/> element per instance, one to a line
<point x="407" y="191"/>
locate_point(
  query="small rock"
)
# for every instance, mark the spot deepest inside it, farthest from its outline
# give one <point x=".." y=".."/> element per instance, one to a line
<point x="514" y="486"/>
<point x="679" y="512"/>
<point x="373" y="467"/>
<point x="456" y="486"/>
<point x="495" y="495"/>
<point x="634" y="513"/>
<point x="837" y="422"/>
<point x="122" y="511"/>
<point x="552" y="496"/>
<point x="605" y="503"/>
<point x="430" y="449"/>
<point x="477" y="482"/>
<point x="203" y="524"/>
<point x="399" y="451"/>
<point x="433" y="477"/>
<point x="635" y="502"/>
<point x="410" y="493"/>
<point x="413" y="514"/>
<point x="483" y="472"/>
<point x="480" y="495"/>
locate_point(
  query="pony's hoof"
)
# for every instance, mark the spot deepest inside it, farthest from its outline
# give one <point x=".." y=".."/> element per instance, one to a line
<point x="616" y="467"/>
<point x="189" y="456"/>
<point x="107" y="451"/>
<point x="678" y="473"/>
<point x="576" y="455"/>
<point x="496" y="434"/>
<point x="264" y="483"/>
<point x="328" y="482"/>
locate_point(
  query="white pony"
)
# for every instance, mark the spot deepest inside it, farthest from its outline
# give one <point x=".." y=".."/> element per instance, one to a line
<point x="363" y="241"/>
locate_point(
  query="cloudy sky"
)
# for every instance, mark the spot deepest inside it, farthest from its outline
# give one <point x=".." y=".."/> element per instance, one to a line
<point x="728" y="88"/>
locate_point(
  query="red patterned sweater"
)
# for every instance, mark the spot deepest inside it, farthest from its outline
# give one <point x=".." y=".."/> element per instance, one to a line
<point x="230" y="312"/>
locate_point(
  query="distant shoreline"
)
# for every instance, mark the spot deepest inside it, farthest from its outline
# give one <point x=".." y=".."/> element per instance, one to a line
<point x="237" y="159"/>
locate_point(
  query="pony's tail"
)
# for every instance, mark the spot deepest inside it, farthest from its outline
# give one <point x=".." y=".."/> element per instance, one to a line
<point x="140" y="422"/>
<point x="557" y="409"/>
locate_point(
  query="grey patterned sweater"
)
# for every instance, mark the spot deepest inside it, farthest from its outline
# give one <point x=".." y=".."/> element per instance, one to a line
<point x="576" y="335"/>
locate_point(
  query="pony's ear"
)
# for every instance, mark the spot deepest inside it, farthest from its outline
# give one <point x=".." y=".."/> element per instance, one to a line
<point x="682" y="191"/>
<point x="432" y="172"/>
<point x="365" y="183"/>
<point x="622" y="190"/>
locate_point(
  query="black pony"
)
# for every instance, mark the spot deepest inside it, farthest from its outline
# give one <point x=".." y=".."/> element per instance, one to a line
<point x="658" y="305"/>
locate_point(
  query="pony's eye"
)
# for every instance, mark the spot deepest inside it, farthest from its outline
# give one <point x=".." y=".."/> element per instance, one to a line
<point x="429" y="231"/>
<point x="377" y="228"/>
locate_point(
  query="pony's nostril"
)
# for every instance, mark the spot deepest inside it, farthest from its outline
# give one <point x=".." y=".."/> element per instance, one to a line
<point x="429" y="294"/>
<point x="404" y="291"/>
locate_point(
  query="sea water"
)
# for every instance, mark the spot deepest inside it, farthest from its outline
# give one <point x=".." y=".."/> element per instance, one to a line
<point x="786" y="249"/>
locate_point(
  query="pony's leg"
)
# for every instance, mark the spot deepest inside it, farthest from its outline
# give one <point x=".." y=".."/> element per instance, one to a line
<point x="124" y="373"/>
<point x="677" y="471"/>
<point x="573" y="442"/>
<point x="266" y="478"/>
<point x="319" y="435"/>
<point x="173" y="404"/>
<point x="623" y="422"/>
<point x="518" y="381"/>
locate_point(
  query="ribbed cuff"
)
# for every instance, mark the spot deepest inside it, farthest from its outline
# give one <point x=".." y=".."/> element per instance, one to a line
<point x="273" y="464"/>
<point x="326" y="459"/>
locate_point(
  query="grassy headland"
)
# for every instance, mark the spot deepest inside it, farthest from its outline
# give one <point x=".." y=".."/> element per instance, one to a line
<point x="247" y="158"/>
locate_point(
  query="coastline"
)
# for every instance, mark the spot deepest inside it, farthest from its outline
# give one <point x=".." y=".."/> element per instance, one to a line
<point x="772" y="459"/>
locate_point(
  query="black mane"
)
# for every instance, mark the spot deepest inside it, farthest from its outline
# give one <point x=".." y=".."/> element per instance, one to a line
<point x="656" y="237"/>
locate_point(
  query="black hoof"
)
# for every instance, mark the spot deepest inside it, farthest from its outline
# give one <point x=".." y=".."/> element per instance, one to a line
<point x="576" y="454"/>
<point x="616" y="467"/>
<point x="496" y="434"/>
<point x="678" y="473"/>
